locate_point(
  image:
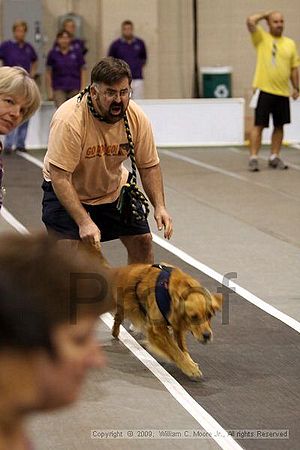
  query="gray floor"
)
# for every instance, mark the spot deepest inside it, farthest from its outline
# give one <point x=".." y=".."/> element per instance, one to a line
<point x="125" y="396"/>
<point x="233" y="221"/>
<point x="249" y="227"/>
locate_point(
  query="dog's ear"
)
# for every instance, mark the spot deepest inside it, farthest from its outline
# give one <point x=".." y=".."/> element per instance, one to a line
<point x="178" y="304"/>
<point x="216" y="303"/>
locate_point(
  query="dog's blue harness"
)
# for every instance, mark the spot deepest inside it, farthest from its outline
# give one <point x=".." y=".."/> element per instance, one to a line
<point x="162" y="296"/>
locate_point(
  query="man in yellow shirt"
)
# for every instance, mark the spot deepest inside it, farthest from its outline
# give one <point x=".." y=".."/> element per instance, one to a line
<point x="277" y="65"/>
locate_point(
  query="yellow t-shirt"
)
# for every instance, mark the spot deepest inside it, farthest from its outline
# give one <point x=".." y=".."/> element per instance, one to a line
<point x="94" y="151"/>
<point x="275" y="59"/>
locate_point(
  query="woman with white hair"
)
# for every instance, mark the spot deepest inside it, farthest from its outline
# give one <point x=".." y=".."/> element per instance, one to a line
<point x="19" y="100"/>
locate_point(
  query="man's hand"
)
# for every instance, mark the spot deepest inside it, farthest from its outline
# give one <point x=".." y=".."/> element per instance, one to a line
<point x="163" y="220"/>
<point x="62" y="184"/>
<point x="89" y="232"/>
<point x="253" y="20"/>
<point x="267" y="14"/>
<point x="295" y="93"/>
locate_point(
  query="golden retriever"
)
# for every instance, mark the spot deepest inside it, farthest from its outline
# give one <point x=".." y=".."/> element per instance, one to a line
<point x="191" y="309"/>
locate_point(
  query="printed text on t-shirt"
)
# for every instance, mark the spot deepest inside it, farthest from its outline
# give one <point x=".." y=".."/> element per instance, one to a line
<point x="108" y="150"/>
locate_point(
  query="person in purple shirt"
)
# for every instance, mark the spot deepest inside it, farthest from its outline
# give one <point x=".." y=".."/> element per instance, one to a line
<point x="132" y="50"/>
<point x="65" y="73"/>
<point x="18" y="52"/>
<point x="78" y="44"/>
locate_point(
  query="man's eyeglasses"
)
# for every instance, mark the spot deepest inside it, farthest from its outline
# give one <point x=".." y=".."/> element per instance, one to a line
<point x="111" y="94"/>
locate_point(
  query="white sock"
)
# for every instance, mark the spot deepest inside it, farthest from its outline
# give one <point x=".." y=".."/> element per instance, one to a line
<point x="273" y="156"/>
<point x="253" y="157"/>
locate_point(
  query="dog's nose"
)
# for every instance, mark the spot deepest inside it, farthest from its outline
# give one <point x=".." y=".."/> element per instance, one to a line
<point x="206" y="336"/>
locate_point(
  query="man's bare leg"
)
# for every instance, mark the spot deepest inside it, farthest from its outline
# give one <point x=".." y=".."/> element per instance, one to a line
<point x="255" y="144"/>
<point x="139" y="248"/>
<point x="277" y="138"/>
<point x="255" y="139"/>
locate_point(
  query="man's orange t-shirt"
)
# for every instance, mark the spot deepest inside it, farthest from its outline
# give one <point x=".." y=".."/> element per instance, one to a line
<point x="94" y="151"/>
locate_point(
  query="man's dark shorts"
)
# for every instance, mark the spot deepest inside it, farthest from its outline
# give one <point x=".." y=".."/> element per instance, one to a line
<point x="277" y="105"/>
<point x="106" y="217"/>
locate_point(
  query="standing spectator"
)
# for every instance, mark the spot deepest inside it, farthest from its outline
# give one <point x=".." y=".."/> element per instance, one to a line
<point x="18" y="52"/>
<point x="65" y="73"/>
<point x="84" y="177"/>
<point x="132" y="50"/>
<point x="277" y="64"/>
<point x="78" y="44"/>
<point x="19" y="99"/>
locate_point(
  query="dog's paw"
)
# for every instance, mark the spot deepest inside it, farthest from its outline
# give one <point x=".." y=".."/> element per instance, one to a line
<point x="145" y="344"/>
<point x="192" y="370"/>
<point x="133" y="328"/>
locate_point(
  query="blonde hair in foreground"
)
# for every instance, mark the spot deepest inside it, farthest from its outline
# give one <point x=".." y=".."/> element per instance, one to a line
<point x="16" y="81"/>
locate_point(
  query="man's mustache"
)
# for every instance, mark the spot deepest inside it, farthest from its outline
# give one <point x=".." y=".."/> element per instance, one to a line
<point x="117" y="105"/>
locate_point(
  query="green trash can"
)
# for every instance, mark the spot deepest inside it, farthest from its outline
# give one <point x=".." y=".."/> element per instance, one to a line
<point x="216" y="82"/>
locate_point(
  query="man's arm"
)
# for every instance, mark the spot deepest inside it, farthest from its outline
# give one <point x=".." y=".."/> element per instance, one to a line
<point x="153" y="185"/>
<point x="48" y="80"/>
<point x="2" y="51"/>
<point x="66" y="194"/>
<point x="82" y="78"/>
<point x="143" y="54"/>
<point x="33" y="69"/>
<point x="295" y="82"/>
<point x="253" y="20"/>
<point x="112" y="51"/>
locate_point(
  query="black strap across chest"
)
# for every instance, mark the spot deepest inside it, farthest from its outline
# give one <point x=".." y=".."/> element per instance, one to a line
<point x="132" y="204"/>
<point x="162" y="295"/>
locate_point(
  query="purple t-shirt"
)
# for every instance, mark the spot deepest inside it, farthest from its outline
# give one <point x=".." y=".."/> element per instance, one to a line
<point x="134" y="53"/>
<point x="66" y="69"/>
<point x="1" y="175"/>
<point x="76" y="44"/>
<point x="13" y="54"/>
